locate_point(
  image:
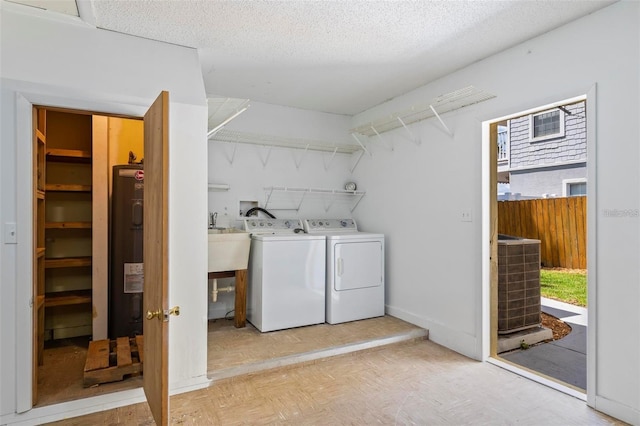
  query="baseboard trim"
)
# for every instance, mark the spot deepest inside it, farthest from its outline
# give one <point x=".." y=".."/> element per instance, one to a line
<point x="439" y="333"/>
<point x="619" y="411"/>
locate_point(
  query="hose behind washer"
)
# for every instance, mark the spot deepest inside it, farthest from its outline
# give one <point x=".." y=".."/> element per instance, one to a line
<point x="258" y="209"/>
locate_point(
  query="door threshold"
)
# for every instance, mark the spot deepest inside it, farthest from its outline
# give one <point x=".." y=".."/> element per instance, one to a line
<point x="539" y="378"/>
<point x="78" y="407"/>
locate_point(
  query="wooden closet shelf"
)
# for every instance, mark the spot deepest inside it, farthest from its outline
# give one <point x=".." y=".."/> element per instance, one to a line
<point x="67" y="225"/>
<point x="67" y="188"/>
<point x="40" y="252"/>
<point x="65" y="298"/>
<point x="67" y="262"/>
<point x="68" y="155"/>
<point x="39" y="194"/>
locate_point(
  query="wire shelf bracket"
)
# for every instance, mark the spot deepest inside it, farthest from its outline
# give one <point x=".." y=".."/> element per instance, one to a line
<point x="415" y="140"/>
<point x="389" y="146"/>
<point x="440" y="120"/>
<point x="328" y="165"/>
<point x="265" y="160"/>
<point x="364" y="148"/>
<point x="299" y="161"/>
<point x="231" y="158"/>
<point x="357" y="161"/>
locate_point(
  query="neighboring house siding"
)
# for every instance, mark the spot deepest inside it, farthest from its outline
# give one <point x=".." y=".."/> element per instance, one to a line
<point x="539" y="168"/>
<point x="548" y="180"/>
<point x="570" y="148"/>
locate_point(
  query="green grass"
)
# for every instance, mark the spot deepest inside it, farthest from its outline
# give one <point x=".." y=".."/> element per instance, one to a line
<point x="568" y="287"/>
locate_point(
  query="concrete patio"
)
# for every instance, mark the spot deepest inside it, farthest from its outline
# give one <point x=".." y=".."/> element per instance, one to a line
<point x="564" y="359"/>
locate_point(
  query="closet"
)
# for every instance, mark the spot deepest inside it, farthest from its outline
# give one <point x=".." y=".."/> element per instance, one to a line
<point x="73" y="153"/>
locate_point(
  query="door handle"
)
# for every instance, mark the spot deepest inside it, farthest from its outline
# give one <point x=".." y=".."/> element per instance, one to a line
<point x="163" y="315"/>
<point x="340" y="267"/>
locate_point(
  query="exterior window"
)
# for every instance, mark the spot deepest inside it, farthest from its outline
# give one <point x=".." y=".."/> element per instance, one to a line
<point x="546" y="125"/>
<point x="577" y="189"/>
<point x="503" y="144"/>
<point x="574" y="187"/>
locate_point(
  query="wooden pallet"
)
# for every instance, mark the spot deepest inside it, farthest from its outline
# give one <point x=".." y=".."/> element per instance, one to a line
<point x="112" y="360"/>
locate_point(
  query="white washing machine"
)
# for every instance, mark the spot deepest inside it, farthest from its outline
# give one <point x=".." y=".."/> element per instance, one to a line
<point x="355" y="270"/>
<point x="286" y="283"/>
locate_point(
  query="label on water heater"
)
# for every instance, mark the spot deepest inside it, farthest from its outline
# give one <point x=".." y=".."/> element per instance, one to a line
<point x="133" y="277"/>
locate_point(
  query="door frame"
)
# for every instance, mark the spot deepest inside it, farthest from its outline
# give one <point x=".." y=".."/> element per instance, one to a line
<point x="25" y="101"/>
<point x="489" y="248"/>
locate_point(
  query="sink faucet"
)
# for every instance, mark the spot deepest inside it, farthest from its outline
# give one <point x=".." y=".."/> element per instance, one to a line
<point x="212" y="219"/>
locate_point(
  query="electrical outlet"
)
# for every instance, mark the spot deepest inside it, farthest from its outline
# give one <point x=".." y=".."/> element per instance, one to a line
<point x="466" y="215"/>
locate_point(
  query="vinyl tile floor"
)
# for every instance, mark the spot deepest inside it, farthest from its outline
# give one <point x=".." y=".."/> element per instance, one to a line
<point x="230" y="347"/>
<point x="231" y="351"/>
<point x="414" y="382"/>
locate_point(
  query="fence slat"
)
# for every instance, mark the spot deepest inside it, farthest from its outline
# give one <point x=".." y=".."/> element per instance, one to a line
<point x="581" y="229"/>
<point x="561" y="215"/>
<point x="573" y="230"/>
<point x="541" y="225"/>
<point x="559" y="223"/>
<point x="552" y="233"/>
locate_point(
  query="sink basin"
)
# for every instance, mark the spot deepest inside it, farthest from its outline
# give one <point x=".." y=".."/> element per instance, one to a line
<point x="228" y="249"/>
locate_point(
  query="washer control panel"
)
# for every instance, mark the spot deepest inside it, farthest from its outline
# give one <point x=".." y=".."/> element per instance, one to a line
<point x="330" y="225"/>
<point x="271" y="226"/>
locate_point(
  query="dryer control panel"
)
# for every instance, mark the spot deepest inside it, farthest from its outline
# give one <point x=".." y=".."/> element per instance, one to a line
<point x="330" y="225"/>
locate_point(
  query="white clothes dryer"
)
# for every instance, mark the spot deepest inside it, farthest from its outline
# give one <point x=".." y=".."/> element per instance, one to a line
<point x="286" y="282"/>
<point x="355" y="286"/>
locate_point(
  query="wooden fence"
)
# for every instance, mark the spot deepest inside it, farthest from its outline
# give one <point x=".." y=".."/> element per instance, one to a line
<point x="559" y="223"/>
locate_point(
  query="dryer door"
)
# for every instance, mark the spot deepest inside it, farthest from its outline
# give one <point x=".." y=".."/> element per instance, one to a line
<point x="357" y="265"/>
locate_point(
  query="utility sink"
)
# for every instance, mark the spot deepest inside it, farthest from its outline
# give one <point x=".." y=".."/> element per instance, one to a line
<point x="228" y="249"/>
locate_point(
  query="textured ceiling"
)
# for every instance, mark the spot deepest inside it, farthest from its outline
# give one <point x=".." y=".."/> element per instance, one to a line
<point x="340" y="56"/>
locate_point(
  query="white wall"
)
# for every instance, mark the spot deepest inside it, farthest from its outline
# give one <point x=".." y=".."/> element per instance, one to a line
<point x="248" y="175"/>
<point x="434" y="268"/>
<point x="52" y="62"/>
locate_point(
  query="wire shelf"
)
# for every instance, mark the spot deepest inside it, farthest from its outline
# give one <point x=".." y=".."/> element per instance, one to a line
<point x="444" y="103"/>
<point x="234" y="136"/>
<point x="288" y="198"/>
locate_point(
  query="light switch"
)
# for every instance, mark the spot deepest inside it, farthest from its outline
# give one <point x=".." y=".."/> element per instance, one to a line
<point x="10" y="233"/>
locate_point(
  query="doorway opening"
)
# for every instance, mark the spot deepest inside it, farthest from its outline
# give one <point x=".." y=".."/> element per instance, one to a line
<point x="74" y="154"/>
<point x="538" y="184"/>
